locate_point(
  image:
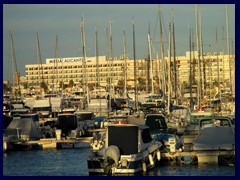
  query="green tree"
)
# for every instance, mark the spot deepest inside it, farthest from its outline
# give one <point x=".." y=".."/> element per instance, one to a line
<point x="62" y="85"/>
<point x="6" y="88"/>
<point x="71" y="83"/>
<point x="25" y="85"/>
<point x="120" y="84"/>
<point x="141" y="83"/>
<point x="44" y="86"/>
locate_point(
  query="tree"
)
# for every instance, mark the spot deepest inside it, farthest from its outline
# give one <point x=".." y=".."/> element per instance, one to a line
<point x="71" y="83"/>
<point x="44" y="86"/>
<point x="81" y="82"/>
<point x="120" y="85"/>
<point x="25" y="85"/>
<point x="141" y="83"/>
<point x="6" y="88"/>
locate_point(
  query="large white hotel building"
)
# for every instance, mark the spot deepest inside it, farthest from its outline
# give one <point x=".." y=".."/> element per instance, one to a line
<point x="71" y="68"/>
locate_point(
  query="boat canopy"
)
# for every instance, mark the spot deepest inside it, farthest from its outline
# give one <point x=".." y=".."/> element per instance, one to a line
<point x="126" y="138"/>
<point x="27" y="129"/>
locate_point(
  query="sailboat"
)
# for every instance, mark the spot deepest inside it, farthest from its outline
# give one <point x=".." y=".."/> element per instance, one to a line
<point x="85" y="86"/>
<point x="99" y="103"/>
<point x="137" y="116"/>
<point x="15" y="73"/>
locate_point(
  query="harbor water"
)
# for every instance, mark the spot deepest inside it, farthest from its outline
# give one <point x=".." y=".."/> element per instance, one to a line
<point x="73" y="162"/>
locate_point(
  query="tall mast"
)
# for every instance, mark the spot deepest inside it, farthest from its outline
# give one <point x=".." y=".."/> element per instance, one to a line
<point x="40" y="79"/>
<point x="158" y="69"/>
<point x="15" y="72"/>
<point x="135" y="71"/>
<point x="162" y="54"/>
<point x="169" y="65"/>
<point x="84" y="59"/>
<point x="150" y="59"/>
<point x="174" y="60"/>
<point x="218" y="69"/>
<point x="198" y="53"/>
<point x="228" y="49"/>
<point x="233" y="58"/>
<point x="223" y="61"/>
<point x="201" y="53"/>
<point x="108" y="71"/>
<point x="190" y="70"/>
<point x="125" y="64"/>
<point x="210" y="78"/>
<point x="97" y="69"/>
<point x="56" y="62"/>
<point x="111" y="58"/>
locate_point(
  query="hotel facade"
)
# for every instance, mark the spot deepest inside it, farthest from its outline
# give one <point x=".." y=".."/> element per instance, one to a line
<point x="56" y="70"/>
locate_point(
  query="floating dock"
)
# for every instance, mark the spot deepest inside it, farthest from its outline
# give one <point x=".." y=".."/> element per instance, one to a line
<point x="48" y="143"/>
<point x="200" y="157"/>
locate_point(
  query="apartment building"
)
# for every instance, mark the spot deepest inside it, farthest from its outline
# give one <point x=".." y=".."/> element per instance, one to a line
<point x="54" y="71"/>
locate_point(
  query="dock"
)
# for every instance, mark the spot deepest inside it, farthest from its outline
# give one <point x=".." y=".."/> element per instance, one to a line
<point x="200" y="157"/>
<point x="48" y="143"/>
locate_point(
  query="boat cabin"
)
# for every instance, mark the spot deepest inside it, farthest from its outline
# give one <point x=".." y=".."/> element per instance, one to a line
<point x="129" y="138"/>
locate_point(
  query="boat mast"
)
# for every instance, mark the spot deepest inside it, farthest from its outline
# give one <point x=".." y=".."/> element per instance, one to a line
<point x="125" y="64"/>
<point x="111" y="59"/>
<point x="201" y="52"/>
<point x="210" y="78"/>
<point x="174" y="60"/>
<point x="15" y="72"/>
<point x="218" y="69"/>
<point x="228" y="49"/>
<point x="198" y="53"/>
<point x="150" y="59"/>
<point x="56" y="63"/>
<point x="108" y="72"/>
<point x="39" y="62"/>
<point x="162" y="55"/>
<point x="84" y="60"/>
<point x="223" y="61"/>
<point x="233" y="82"/>
<point x="169" y="66"/>
<point x="97" y="70"/>
<point x="135" y="71"/>
<point x="190" y="70"/>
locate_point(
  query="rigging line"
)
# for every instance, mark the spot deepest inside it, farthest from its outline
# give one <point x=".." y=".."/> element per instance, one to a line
<point x="155" y="29"/>
<point x="166" y="34"/>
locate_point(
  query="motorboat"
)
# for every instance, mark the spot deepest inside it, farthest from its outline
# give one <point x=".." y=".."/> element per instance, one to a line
<point x="160" y="132"/>
<point x="86" y="118"/>
<point x="69" y="126"/>
<point x="215" y="133"/>
<point x="179" y="118"/>
<point x="192" y="130"/>
<point x="21" y="130"/>
<point x="123" y="149"/>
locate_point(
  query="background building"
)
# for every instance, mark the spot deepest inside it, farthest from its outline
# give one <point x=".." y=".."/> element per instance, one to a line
<point x="59" y="70"/>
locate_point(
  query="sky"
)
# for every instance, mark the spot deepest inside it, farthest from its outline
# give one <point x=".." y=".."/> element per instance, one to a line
<point x="63" y="20"/>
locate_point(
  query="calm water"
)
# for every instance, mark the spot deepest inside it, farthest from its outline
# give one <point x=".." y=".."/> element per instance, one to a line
<point x="73" y="162"/>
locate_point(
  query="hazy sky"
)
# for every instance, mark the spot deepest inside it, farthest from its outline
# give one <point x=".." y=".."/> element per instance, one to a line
<point x="64" y="20"/>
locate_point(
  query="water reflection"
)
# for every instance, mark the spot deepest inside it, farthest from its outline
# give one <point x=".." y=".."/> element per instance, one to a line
<point x="73" y="162"/>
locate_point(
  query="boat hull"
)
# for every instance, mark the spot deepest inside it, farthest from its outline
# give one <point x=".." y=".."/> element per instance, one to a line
<point x="130" y="166"/>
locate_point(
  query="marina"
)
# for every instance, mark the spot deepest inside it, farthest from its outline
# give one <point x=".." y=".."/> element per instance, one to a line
<point x="73" y="162"/>
<point x="109" y="116"/>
